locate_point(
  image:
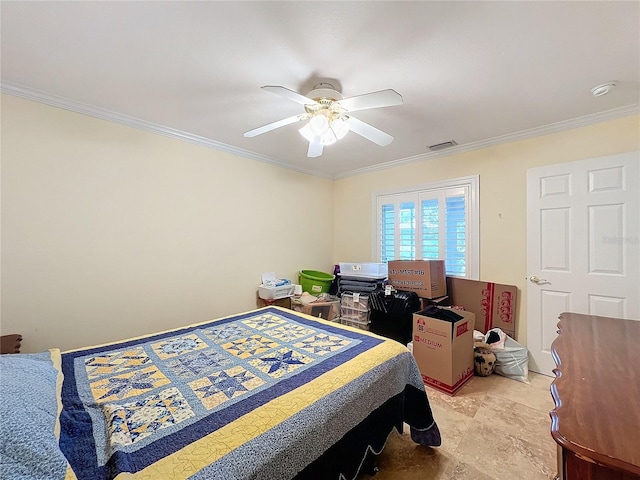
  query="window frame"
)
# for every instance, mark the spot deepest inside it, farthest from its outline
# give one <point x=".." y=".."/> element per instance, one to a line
<point x="471" y="182"/>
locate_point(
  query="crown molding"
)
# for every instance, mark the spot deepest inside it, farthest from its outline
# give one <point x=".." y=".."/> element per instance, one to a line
<point x="104" y="114"/>
<point x="507" y="138"/>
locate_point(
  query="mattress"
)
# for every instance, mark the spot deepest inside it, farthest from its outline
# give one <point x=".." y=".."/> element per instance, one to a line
<point x="257" y="395"/>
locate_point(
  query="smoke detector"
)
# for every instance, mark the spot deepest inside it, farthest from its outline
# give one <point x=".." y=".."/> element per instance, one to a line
<point x="602" y="89"/>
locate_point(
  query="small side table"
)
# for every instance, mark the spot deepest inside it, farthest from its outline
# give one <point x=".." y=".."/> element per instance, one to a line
<point x="10" y="343"/>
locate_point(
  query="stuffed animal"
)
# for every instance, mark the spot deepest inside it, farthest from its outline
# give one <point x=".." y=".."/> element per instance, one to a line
<point x="484" y="359"/>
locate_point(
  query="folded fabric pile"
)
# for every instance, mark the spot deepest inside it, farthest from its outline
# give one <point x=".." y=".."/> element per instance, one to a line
<point x="355" y="285"/>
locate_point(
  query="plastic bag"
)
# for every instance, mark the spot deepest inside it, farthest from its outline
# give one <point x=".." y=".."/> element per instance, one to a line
<point x="512" y="361"/>
<point x="512" y="358"/>
<point x="478" y="336"/>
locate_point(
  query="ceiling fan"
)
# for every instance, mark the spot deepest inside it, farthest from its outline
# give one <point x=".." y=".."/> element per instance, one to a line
<point x="329" y="115"/>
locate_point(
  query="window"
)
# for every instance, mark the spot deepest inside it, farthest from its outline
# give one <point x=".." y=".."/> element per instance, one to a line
<point x="436" y="221"/>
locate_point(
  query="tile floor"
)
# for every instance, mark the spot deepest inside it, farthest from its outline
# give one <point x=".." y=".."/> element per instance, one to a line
<point x="495" y="428"/>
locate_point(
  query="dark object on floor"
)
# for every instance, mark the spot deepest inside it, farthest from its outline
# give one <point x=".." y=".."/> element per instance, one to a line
<point x="441" y="314"/>
<point x="10" y="343"/>
<point x="493" y="337"/>
<point x="333" y="288"/>
<point x="392" y="315"/>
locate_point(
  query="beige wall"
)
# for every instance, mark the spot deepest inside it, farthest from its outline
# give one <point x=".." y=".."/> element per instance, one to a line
<point x="110" y="232"/>
<point x="502" y="170"/>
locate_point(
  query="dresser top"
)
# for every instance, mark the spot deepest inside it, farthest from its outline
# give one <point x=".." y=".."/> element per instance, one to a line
<point x="597" y="389"/>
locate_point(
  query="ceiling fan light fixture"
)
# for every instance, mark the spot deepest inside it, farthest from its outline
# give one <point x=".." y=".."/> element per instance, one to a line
<point x="307" y="132"/>
<point x="324" y="92"/>
<point x="340" y="127"/>
<point x="319" y="124"/>
<point x="319" y="130"/>
<point x="327" y="115"/>
<point x="327" y="138"/>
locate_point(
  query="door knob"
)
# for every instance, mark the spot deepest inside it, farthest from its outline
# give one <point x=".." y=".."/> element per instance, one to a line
<point x="536" y="280"/>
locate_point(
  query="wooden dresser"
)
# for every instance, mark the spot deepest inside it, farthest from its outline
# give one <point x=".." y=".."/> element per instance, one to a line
<point x="596" y="419"/>
<point x="10" y="343"/>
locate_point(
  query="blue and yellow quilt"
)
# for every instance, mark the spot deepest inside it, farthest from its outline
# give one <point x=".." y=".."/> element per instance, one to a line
<point x="256" y="395"/>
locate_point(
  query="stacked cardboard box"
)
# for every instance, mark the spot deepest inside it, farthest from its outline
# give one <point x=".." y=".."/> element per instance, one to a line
<point x="494" y="304"/>
<point x="443" y="347"/>
<point x="425" y="277"/>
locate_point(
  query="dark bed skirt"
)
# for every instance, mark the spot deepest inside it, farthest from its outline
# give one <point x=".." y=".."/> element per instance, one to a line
<point x="355" y="452"/>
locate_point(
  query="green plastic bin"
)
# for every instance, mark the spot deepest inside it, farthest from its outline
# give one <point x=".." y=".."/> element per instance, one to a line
<point x="315" y="282"/>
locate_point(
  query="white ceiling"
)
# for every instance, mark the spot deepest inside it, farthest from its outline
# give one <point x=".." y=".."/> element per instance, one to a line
<point x="476" y="72"/>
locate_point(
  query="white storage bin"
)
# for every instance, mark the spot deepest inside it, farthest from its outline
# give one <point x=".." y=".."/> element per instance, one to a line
<point x="355" y="323"/>
<point x="371" y="270"/>
<point x="354" y="300"/>
<point x="354" y="314"/>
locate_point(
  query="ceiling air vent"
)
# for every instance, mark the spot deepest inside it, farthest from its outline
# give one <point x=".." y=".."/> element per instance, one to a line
<point x="443" y="145"/>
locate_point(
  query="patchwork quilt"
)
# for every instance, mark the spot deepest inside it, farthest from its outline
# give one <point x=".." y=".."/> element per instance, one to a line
<point x="257" y="395"/>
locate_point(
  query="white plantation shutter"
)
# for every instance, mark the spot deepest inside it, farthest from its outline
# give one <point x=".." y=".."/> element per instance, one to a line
<point x="387" y="232"/>
<point x="456" y="238"/>
<point x="430" y="229"/>
<point x="397" y="220"/>
<point x="407" y="228"/>
<point x="430" y="223"/>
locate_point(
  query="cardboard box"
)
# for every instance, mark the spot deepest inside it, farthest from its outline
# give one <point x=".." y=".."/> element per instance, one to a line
<point x="324" y="310"/>
<point x="494" y="304"/>
<point x="444" y="350"/>
<point x="281" y="302"/>
<point x="438" y="302"/>
<point x="425" y="277"/>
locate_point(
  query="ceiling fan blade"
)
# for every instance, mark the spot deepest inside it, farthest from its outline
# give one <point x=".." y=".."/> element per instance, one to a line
<point x="274" y="125"/>
<point x="315" y="147"/>
<point x="290" y="94"/>
<point x="383" y="98"/>
<point x="369" y="132"/>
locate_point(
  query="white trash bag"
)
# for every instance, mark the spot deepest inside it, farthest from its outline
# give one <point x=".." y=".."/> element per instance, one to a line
<point x="512" y="358"/>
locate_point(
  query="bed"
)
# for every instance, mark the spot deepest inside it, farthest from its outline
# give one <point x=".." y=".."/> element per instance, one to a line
<point x="267" y="394"/>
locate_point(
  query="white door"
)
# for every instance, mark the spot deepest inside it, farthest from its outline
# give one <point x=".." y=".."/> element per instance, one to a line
<point x="583" y="246"/>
